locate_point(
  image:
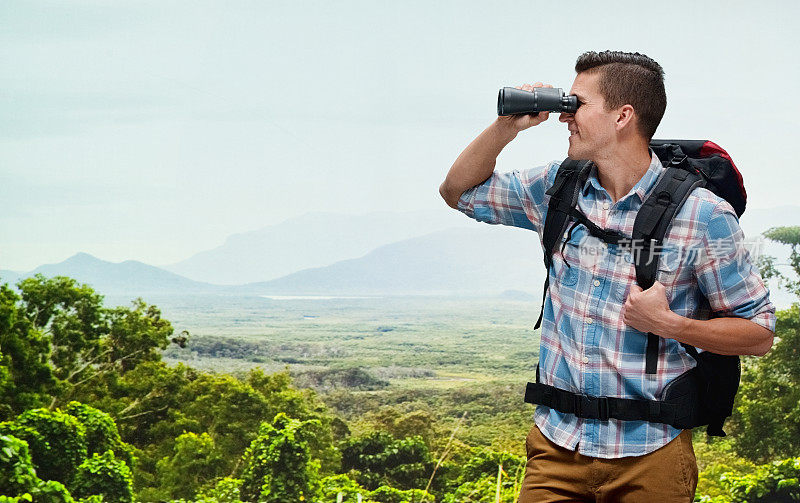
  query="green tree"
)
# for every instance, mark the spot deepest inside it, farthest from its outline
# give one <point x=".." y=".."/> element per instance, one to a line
<point x="386" y="494"/>
<point x="106" y="476"/>
<point x="18" y="480"/>
<point x="57" y="340"/>
<point x="57" y="442"/>
<point x="16" y="468"/>
<point x="71" y="318"/>
<point x="400" y="424"/>
<point x="479" y="477"/>
<point x="195" y="462"/>
<point x="155" y="403"/>
<point x="769" y="268"/>
<point x="773" y="483"/>
<point x="26" y="378"/>
<point x="102" y="433"/>
<point x="766" y="419"/>
<point x="379" y="459"/>
<point x="136" y="334"/>
<point x="333" y="485"/>
<point x="278" y="464"/>
<point x="767" y="414"/>
<point x="302" y="404"/>
<point x="226" y="490"/>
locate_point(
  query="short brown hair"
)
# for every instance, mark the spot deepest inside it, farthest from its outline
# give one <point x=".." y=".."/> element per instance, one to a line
<point x="629" y="78"/>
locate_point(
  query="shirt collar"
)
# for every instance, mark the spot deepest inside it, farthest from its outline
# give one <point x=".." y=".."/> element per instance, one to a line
<point x="641" y="188"/>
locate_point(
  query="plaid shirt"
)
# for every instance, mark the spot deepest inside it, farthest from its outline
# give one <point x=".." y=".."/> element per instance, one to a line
<point x="585" y="345"/>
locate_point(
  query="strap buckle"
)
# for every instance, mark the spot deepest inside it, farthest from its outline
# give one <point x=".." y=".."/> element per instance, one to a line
<point x="591" y="407"/>
<point x="679" y="159"/>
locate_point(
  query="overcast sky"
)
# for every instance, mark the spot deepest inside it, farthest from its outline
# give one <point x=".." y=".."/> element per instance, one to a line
<point x="152" y="130"/>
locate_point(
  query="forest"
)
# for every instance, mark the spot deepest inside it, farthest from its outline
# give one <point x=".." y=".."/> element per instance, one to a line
<point x="101" y="403"/>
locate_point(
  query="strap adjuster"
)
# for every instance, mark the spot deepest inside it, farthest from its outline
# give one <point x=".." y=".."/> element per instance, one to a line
<point x="602" y="408"/>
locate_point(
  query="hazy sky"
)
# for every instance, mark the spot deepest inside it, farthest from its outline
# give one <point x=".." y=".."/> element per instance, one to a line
<point x="151" y="130"/>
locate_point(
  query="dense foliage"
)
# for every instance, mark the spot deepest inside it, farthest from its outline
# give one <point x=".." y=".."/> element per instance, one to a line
<point x="278" y="463"/>
<point x="90" y="412"/>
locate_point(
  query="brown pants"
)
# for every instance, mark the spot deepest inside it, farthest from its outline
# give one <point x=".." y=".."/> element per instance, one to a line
<point x="556" y="474"/>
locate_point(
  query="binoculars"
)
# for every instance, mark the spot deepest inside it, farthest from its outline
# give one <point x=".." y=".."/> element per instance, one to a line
<point x="512" y="101"/>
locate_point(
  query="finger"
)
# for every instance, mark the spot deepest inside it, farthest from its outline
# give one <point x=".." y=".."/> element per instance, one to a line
<point x="547" y="85"/>
<point x="527" y="87"/>
<point x="636" y="288"/>
<point x="537" y="84"/>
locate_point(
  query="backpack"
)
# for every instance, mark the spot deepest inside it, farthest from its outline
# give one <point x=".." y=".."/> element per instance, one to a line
<point x="703" y="395"/>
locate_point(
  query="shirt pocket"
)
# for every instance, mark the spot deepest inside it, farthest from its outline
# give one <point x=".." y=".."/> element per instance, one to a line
<point x="668" y="269"/>
<point x="668" y="278"/>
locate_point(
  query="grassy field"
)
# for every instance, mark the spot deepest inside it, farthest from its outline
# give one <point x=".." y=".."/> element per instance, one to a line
<point x="395" y="337"/>
<point x="443" y="355"/>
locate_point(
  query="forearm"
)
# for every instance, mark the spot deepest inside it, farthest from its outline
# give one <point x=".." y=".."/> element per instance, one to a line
<point x="725" y="336"/>
<point x="476" y="163"/>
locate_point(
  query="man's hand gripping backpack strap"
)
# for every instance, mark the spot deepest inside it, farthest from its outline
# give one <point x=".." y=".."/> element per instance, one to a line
<point x="651" y="224"/>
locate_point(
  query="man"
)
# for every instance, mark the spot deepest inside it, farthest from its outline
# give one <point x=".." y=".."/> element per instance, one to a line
<point x="595" y="315"/>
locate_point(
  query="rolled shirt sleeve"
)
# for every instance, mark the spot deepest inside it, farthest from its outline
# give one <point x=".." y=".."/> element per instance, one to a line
<point x="726" y="274"/>
<point x="515" y="198"/>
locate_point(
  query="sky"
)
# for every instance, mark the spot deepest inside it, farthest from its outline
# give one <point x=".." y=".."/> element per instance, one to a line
<point x="152" y="130"/>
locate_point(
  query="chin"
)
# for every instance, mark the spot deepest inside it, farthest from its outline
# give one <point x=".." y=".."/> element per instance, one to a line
<point x="575" y="152"/>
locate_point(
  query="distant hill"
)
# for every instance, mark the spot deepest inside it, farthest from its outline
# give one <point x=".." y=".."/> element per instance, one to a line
<point x="126" y="278"/>
<point x="321" y="239"/>
<point x="310" y="240"/>
<point x="478" y="260"/>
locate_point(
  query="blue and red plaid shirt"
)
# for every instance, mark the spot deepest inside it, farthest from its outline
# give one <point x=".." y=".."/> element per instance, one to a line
<point x="585" y="345"/>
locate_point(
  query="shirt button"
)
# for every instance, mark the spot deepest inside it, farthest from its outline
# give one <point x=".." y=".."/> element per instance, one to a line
<point x="585" y="359"/>
<point x="589" y="321"/>
<point x="606" y="206"/>
<point x="597" y="282"/>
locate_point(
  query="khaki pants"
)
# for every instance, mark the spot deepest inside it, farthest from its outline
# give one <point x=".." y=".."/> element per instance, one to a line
<point x="555" y="474"/>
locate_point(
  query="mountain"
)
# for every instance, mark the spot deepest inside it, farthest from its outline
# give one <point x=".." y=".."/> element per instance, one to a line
<point x="476" y="260"/>
<point x="127" y="278"/>
<point x="310" y="240"/>
<point x="9" y="277"/>
<point x="437" y="263"/>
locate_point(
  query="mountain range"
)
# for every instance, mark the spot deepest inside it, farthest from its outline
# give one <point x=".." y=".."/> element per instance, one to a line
<point x="310" y="240"/>
<point x="470" y="259"/>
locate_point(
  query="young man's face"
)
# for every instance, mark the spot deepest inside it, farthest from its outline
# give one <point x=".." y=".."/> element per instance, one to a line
<point x="592" y="128"/>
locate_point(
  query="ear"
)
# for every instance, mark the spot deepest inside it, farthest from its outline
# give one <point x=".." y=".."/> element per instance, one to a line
<point x="625" y="116"/>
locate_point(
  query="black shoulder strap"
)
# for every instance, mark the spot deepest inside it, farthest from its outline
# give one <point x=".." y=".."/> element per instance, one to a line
<point x="651" y="224"/>
<point x="564" y="193"/>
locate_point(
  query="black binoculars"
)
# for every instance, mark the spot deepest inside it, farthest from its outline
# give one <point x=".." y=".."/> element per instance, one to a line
<point x="512" y="101"/>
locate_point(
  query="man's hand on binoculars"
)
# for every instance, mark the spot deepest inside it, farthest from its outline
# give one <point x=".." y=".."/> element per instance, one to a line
<point x="522" y="122"/>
